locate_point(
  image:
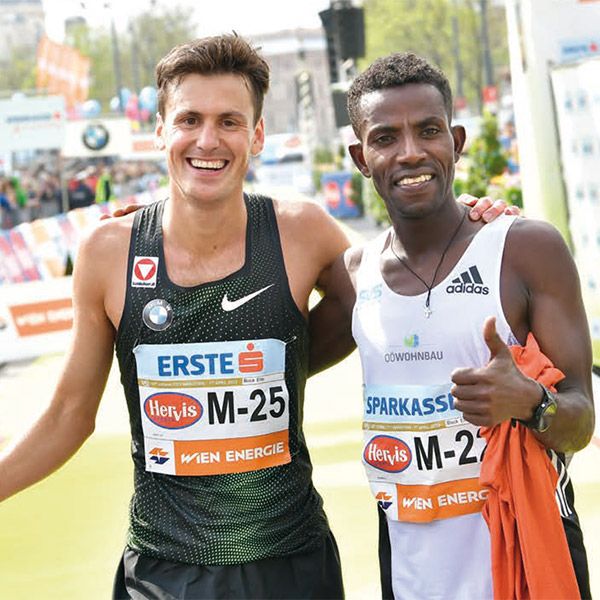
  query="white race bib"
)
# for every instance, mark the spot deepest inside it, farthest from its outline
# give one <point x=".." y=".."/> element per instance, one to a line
<point x="213" y="408"/>
<point x="421" y="457"/>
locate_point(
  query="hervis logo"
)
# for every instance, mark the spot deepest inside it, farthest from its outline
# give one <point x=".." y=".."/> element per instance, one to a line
<point x="171" y="410"/>
<point x="388" y="454"/>
<point x="159" y="456"/>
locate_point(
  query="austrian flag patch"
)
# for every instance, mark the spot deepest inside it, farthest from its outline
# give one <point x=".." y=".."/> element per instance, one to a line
<point x="145" y="269"/>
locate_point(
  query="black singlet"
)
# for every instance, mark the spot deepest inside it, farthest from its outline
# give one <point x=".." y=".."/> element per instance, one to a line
<point x="227" y="518"/>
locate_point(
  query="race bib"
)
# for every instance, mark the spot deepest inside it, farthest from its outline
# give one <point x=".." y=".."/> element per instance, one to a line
<point x="213" y="408"/>
<point x="421" y="457"/>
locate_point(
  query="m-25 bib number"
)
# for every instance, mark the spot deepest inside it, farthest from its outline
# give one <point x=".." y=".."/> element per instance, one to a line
<point x="214" y="408"/>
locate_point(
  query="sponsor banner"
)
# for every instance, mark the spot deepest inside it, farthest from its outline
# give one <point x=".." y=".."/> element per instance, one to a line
<point x="62" y="70"/>
<point x="577" y="106"/>
<point x="97" y="137"/>
<point x="218" y="407"/>
<point x="35" y="318"/>
<point x="143" y="148"/>
<point x="23" y="253"/>
<point x="38" y="318"/>
<point x="43" y="239"/>
<point x="423" y="504"/>
<point x="34" y="123"/>
<point x="10" y="267"/>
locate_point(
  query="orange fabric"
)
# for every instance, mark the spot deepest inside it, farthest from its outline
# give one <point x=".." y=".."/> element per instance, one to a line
<point x="530" y="556"/>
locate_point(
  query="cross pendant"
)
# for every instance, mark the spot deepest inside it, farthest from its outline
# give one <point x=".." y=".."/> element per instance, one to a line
<point x="428" y="312"/>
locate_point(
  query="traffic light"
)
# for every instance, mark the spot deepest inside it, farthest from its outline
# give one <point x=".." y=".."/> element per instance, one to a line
<point x="330" y="38"/>
<point x="340" y="106"/>
<point x="344" y="27"/>
<point x="351" y="32"/>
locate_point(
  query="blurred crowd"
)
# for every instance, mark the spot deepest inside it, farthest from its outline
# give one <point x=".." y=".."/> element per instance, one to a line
<point x="37" y="192"/>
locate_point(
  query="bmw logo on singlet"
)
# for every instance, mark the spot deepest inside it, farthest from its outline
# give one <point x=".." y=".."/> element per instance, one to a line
<point x="157" y="315"/>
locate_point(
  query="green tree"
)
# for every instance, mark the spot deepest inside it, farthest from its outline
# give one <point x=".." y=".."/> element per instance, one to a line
<point x="425" y="27"/>
<point x="150" y="35"/>
<point x="18" y="73"/>
<point x="486" y="158"/>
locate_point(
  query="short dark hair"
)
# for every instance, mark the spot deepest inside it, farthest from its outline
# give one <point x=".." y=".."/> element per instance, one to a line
<point x="396" y="70"/>
<point x="216" y="55"/>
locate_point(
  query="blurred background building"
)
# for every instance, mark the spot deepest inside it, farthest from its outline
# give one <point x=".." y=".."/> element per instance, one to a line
<point x="289" y="53"/>
<point x="21" y="26"/>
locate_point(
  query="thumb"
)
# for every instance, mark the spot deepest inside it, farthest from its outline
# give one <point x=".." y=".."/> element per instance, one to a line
<point x="492" y="339"/>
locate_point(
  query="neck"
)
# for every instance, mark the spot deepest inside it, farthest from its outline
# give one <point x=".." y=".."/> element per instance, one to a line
<point x="431" y="233"/>
<point x="199" y="227"/>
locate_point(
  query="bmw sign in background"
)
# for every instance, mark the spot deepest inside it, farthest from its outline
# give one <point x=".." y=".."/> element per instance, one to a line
<point x="95" y="136"/>
<point x="98" y="137"/>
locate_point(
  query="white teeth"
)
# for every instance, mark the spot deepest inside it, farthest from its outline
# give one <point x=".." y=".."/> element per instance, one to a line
<point x="207" y="164"/>
<point x="414" y="180"/>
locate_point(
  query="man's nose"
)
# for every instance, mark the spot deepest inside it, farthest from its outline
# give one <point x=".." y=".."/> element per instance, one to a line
<point x="410" y="149"/>
<point x="208" y="137"/>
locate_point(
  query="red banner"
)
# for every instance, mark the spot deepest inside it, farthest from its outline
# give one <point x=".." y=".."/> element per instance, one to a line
<point x="62" y="70"/>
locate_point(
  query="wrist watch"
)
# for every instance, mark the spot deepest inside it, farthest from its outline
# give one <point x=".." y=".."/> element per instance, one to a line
<point x="544" y="411"/>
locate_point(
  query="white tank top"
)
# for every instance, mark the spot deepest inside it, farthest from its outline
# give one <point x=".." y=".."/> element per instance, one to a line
<point x="421" y="457"/>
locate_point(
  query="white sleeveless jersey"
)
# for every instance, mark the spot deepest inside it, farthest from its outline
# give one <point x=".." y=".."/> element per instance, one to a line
<point x="421" y="457"/>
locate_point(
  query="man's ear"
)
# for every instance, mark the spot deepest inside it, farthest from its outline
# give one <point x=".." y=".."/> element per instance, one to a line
<point x="159" y="142"/>
<point x="356" y="152"/>
<point x="459" y="135"/>
<point x="258" y="141"/>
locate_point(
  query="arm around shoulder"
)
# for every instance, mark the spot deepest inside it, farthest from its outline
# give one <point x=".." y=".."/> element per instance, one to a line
<point x="330" y="322"/>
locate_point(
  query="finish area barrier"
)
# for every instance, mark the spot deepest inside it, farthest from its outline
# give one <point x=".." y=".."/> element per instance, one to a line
<point x="35" y="318"/>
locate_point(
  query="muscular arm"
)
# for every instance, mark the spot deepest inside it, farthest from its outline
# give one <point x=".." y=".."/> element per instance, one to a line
<point x="542" y="296"/>
<point x="330" y="322"/>
<point x="69" y="418"/>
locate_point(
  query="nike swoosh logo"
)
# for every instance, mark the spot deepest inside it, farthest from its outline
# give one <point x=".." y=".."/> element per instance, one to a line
<point x="229" y="305"/>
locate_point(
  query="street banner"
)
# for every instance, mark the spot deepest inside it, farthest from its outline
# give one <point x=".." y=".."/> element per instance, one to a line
<point x="62" y="70"/>
<point x="35" y="318"/>
<point x="577" y="106"/>
<point x="32" y="123"/>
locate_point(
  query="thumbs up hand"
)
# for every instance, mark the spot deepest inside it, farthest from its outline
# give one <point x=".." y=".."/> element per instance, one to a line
<point x="499" y="391"/>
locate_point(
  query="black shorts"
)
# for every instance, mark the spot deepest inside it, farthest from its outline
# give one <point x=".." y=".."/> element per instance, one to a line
<point x="315" y="575"/>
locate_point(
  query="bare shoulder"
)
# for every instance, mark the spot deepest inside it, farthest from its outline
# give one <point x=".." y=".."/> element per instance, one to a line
<point x="352" y="258"/>
<point x="534" y="231"/>
<point x="102" y="254"/>
<point x="303" y="214"/>
<point x="107" y="238"/>
<point x="305" y="226"/>
<point x="537" y="252"/>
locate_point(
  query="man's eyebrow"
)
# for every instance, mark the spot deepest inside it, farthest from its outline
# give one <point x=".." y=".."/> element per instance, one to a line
<point x="234" y="113"/>
<point x="433" y="119"/>
<point x="382" y="129"/>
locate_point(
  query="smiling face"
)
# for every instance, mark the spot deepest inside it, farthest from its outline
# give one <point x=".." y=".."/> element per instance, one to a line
<point x="208" y="133"/>
<point x="408" y="147"/>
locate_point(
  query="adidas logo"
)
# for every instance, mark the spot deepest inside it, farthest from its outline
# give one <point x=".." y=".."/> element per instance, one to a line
<point x="468" y="282"/>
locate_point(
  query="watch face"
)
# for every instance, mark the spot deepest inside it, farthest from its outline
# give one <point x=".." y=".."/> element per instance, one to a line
<point x="545" y="411"/>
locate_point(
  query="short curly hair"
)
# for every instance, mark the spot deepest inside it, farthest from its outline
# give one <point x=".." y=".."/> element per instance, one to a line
<point x="217" y="55"/>
<point x="391" y="71"/>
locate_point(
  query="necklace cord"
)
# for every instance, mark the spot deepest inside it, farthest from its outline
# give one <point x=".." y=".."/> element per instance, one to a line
<point x="403" y="261"/>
